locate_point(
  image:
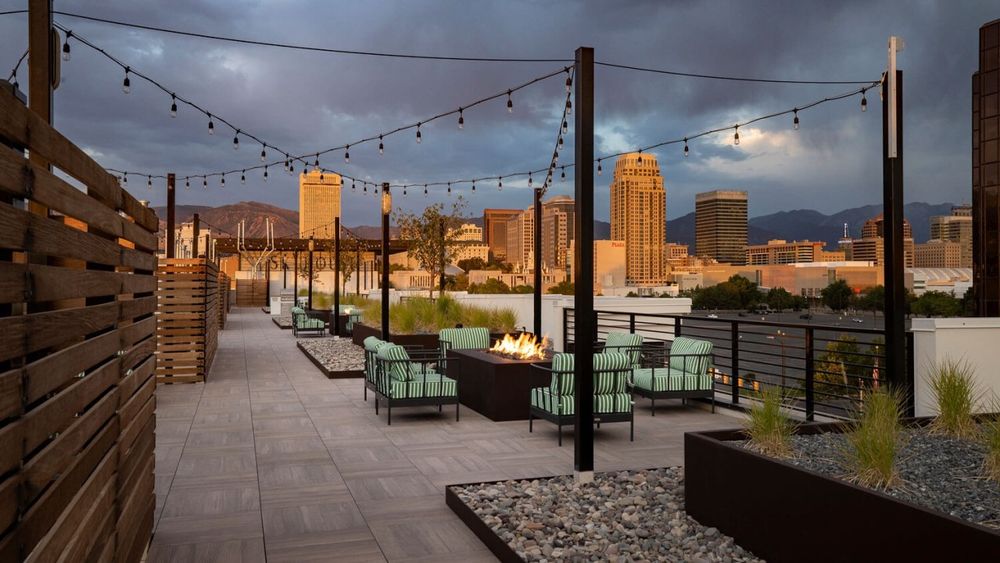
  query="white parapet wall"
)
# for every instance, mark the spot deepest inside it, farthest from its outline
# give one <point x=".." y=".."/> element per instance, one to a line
<point x="975" y="340"/>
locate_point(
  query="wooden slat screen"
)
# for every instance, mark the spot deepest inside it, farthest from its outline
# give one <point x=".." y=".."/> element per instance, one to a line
<point x="187" y="320"/>
<point x="251" y="293"/>
<point x="223" y="307"/>
<point x="76" y="353"/>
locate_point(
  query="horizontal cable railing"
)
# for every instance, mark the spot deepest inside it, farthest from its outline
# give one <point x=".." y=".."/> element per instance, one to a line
<point x="822" y="370"/>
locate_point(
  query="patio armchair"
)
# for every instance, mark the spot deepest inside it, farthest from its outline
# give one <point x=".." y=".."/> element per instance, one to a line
<point x="302" y="322"/>
<point x="612" y="402"/>
<point x="624" y="342"/>
<point x="402" y="380"/>
<point x="681" y="372"/>
<point x="471" y="338"/>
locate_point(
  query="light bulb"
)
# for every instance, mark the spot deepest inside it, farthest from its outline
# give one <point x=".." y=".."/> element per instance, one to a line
<point x="510" y="103"/>
<point x="222" y="182"/>
<point x="243" y="177"/>
<point x="864" y="101"/>
<point x="569" y="82"/>
<point x="125" y="178"/>
<point x="316" y="163"/>
<point x="404" y="190"/>
<point x="529" y="179"/>
<point x="795" y="120"/>
<point x="126" y="84"/>
<point x="204" y="182"/>
<point x="236" y="140"/>
<point x="65" y="49"/>
<point x="187" y="183"/>
<point x="265" y="173"/>
<point x="473" y="185"/>
<point x="461" y="119"/>
<point x="320" y="175"/>
<point x="449" y="187"/>
<point x="376" y="188"/>
<point x="736" y="135"/>
<point x="569" y="106"/>
<point x="381" y="147"/>
<point x="286" y="162"/>
<point x="366" y="187"/>
<point x="640" y="157"/>
<point x="418" y="132"/>
<point x="211" y="125"/>
<point x="560" y="142"/>
<point x="354" y="186"/>
<point x="562" y="175"/>
<point x="565" y="127"/>
<point x="425" y="189"/>
<point x="291" y="167"/>
<point x="173" y="105"/>
<point x="149" y="182"/>
<point x="598" y="167"/>
<point x="499" y="184"/>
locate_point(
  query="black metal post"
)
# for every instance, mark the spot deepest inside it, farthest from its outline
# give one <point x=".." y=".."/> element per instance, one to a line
<point x="810" y="376"/>
<point x="538" y="261"/>
<point x="892" y="233"/>
<point x="312" y="244"/>
<point x="441" y="281"/>
<point x="583" y="267"/>
<point x="386" y="209"/>
<point x="734" y="346"/>
<point x="284" y="273"/>
<point x="336" y="276"/>
<point x="357" y="269"/>
<point x="295" y="280"/>
<point x="196" y="228"/>
<point x="171" y="204"/>
<point x="267" y="283"/>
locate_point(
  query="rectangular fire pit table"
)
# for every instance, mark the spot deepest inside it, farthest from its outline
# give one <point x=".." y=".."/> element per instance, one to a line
<point x="496" y="387"/>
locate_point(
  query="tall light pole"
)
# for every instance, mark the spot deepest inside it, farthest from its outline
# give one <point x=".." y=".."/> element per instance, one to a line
<point x="336" y="276"/>
<point x="386" y="210"/>
<point x="537" y="301"/>
<point x="312" y="247"/>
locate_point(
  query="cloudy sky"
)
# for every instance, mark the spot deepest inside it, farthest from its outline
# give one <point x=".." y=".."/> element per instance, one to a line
<point x="303" y="101"/>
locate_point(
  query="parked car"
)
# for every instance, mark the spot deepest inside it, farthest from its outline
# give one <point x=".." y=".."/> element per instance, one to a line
<point x="806" y="316"/>
<point x="713" y="316"/>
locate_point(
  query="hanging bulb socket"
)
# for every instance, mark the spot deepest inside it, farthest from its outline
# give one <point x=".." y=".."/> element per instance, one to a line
<point x="354" y="186"/>
<point x="65" y="48"/>
<point x="381" y="146"/>
<point x="565" y="127"/>
<point x="236" y="140"/>
<point x="598" y="167"/>
<point x="569" y="81"/>
<point x="365" y="187"/>
<point x="211" y="125"/>
<point x="187" y="183"/>
<point x="243" y="177"/>
<point x="510" y="103"/>
<point x="222" y="182"/>
<point x="126" y="84"/>
<point x="529" y="179"/>
<point x="473" y="185"/>
<point x="795" y="120"/>
<point x="499" y="183"/>
<point x="736" y="135"/>
<point x="418" y="133"/>
<point x="204" y="182"/>
<point x="686" y="150"/>
<point x="149" y="182"/>
<point x="569" y="106"/>
<point x="864" y="101"/>
<point x="449" y="187"/>
<point x="461" y="119"/>
<point x="347" y="154"/>
<point x="263" y="153"/>
<point x="265" y="173"/>
<point x="125" y="178"/>
<point x="562" y="174"/>
<point x="173" y="105"/>
<point x="425" y="189"/>
<point x="640" y="157"/>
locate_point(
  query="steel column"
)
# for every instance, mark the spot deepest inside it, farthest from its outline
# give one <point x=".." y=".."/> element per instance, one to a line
<point x="892" y="233"/>
<point x="441" y="234"/>
<point x="538" y="261"/>
<point x="385" y="267"/>
<point x="171" y="204"/>
<point x="196" y="228"/>
<point x="583" y="267"/>
<point x="309" y="305"/>
<point x="336" y="276"/>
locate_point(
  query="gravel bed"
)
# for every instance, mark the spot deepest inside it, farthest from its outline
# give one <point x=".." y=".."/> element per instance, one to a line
<point x="938" y="472"/>
<point x="284" y="321"/>
<point x="335" y="353"/>
<point x="621" y="516"/>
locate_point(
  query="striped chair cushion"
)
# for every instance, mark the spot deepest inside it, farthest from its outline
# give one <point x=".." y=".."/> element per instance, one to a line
<point x="625" y="343"/>
<point x="433" y="385"/>
<point x="543" y="398"/>
<point x="681" y="358"/>
<point x="304" y="322"/>
<point x="390" y="354"/>
<point x="611" y="370"/>
<point x="471" y="338"/>
<point x="371" y="343"/>
<point x="664" y="379"/>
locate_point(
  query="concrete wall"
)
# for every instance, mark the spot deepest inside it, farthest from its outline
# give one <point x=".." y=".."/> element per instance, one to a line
<point x="976" y="340"/>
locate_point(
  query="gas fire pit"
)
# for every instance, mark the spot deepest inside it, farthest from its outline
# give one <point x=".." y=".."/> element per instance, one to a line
<point x="497" y="382"/>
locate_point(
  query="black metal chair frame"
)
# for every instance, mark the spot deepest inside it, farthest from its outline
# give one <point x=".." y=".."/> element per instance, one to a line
<point x="561" y="420"/>
<point x="659" y="359"/>
<point x="371" y="361"/>
<point x="383" y="386"/>
<point x="295" y="325"/>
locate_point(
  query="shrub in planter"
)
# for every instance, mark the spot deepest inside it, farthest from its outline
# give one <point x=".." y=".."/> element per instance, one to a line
<point x="955" y="393"/>
<point x="873" y="440"/>
<point x="769" y="429"/>
<point x="991" y="439"/>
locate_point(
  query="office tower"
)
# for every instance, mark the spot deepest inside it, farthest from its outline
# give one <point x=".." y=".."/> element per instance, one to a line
<point x="956" y="228"/>
<point x="721" y="225"/>
<point x="986" y="173"/>
<point x="468" y="243"/>
<point x="521" y="239"/>
<point x="779" y="251"/>
<point x="558" y="231"/>
<point x="319" y="203"/>
<point x="639" y="217"/>
<point x="937" y="253"/>
<point x="871" y="246"/>
<point x="495" y="229"/>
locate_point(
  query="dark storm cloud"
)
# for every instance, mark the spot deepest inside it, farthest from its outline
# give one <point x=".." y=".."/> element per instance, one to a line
<point x="306" y="101"/>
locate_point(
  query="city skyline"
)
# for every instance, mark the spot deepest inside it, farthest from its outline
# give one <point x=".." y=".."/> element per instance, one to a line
<point x="774" y="163"/>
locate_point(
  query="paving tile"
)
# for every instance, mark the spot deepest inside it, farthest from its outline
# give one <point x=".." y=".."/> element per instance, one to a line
<point x="232" y="551"/>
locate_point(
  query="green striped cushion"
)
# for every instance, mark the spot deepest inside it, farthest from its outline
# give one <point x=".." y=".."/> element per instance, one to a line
<point x="611" y="370"/>
<point x="399" y="370"/>
<point x="562" y="374"/>
<point x="624" y="342"/>
<point x="434" y="385"/>
<point x="371" y="343"/>
<point x="692" y="364"/>
<point x="471" y="338"/>
<point x="296" y="310"/>
<point x="543" y="398"/>
<point x="664" y="379"/>
<point x="304" y="322"/>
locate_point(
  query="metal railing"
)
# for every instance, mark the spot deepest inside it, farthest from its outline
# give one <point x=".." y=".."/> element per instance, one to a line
<point x="823" y="370"/>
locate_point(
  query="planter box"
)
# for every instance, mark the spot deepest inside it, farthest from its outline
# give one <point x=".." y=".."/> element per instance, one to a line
<point x="362" y="331"/>
<point x="782" y="512"/>
<point x="490" y="539"/>
<point x="350" y="374"/>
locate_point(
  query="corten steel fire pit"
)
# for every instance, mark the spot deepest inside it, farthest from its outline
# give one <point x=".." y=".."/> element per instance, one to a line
<point x="497" y="386"/>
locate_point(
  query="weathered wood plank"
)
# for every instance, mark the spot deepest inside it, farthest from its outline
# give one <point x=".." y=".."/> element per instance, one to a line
<point x="32" y="333"/>
<point x="38" y="282"/>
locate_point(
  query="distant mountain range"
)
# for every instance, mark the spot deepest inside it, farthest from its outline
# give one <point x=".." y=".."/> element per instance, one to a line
<point x="800" y="224"/>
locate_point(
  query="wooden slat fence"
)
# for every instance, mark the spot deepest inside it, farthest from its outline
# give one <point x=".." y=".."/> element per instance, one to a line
<point x="76" y="353"/>
<point x="251" y="293"/>
<point x="187" y="319"/>
<point x="223" y="307"/>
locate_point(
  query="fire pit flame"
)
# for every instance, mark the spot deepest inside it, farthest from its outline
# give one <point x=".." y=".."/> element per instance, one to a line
<point x="523" y="347"/>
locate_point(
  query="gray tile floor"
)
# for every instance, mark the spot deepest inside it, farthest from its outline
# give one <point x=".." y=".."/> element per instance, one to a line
<point x="272" y="461"/>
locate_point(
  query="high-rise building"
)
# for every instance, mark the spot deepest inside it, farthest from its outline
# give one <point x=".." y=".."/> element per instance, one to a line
<point x="558" y="231"/>
<point x="721" y="225"/>
<point x="871" y="246"/>
<point x="495" y="229"/>
<point x="956" y="228"/>
<point x="468" y="243"/>
<point x="986" y="173"/>
<point x="639" y="217"/>
<point x="937" y="253"/>
<point x="521" y="239"/>
<point x="778" y="251"/>
<point x="319" y="203"/>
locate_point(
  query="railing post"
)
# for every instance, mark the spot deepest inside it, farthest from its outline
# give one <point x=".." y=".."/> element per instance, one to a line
<point x="910" y="388"/>
<point x="565" y="328"/>
<point x="677" y="327"/>
<point x="810" y="376"/>
<point x="734" y="335"/>
<point x="631" y="322"/>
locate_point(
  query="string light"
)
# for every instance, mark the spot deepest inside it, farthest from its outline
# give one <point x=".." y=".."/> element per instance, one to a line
<point x="864" y="101"/>
<point x="795" y="120"/>
<point x="316" y="163"/>
<point x="125" y="178"/>
<point x="149" y="182"/>
<point x="418" y="132"/>
<point x="529" y="179"/>
<point x="286" y="162"/>
<point x="291" y="167"/>
<point x="222" y="182"/>
<point x="449" y="187"/>
<point x="598" y="167"/>
<point x="263" y="153"/>
<point x="569" y="106"/>
<point x="65" y="47"/>
<point x="204" y="182"/>
<point x="560" y="142"/>
<point x="187" y="183"/>
<point x="736" y="135"/>
<point x="461" y="119"/>
<point x="173" y="105"/>
<point x="374" y="185"/>
<point x="404" y="190"/>
<point x="366" y="187"/>
<point x="510" y="103"/>
<point x="640" y="155"/>
<point x="347" y="154"/>
<point x="211" y="125"/>
<point x="473" y="185"/>
<point x="563" y="174"/>
<point x="425" y="190"/>
<point x="236" y="140"/>
<point x="569" y="81"/>
<point x="126" y="84"/>
<point x="565" y="127"/>
<point x="265" y="173"/>
<point x="381" y="147"/>
<point x="243" y="176"/>
<point x="686" y="147"/>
